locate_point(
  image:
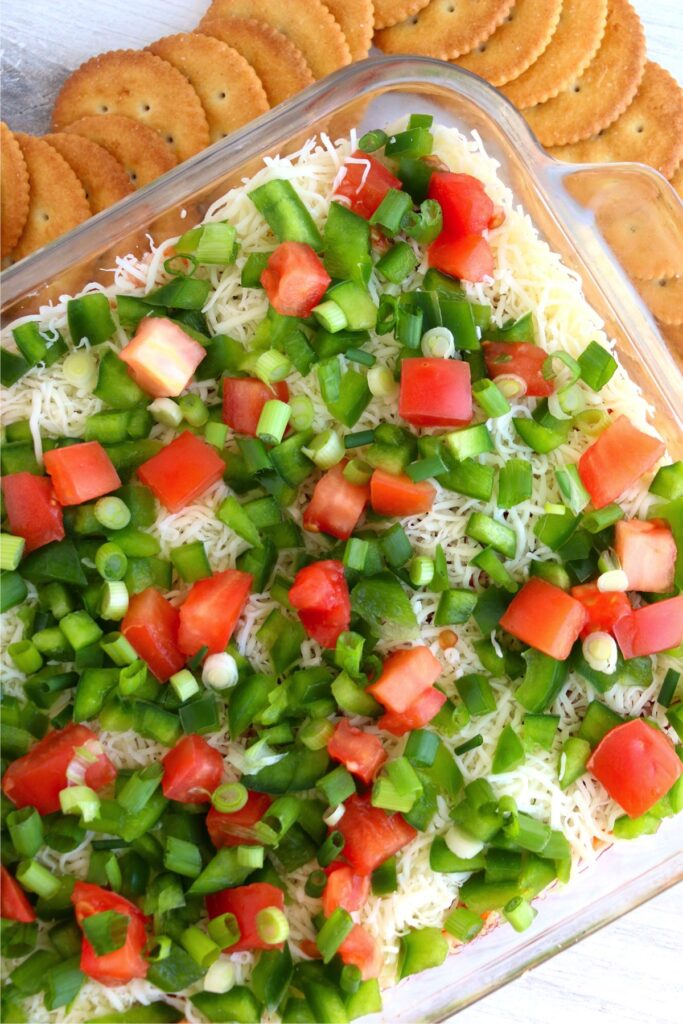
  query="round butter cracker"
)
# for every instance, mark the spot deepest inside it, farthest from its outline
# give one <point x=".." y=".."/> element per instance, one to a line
<point x="142" y="152"/>
<point x="677" y="180"/>
<point x="356" y="19"/>
<point x="664" y="298"/>
<point x="445" y="28"/>
<point x="14" y="191"/>
<point x="516" y="44"/>
<point x="102" y="176"/>
<point x="390" y="12"/>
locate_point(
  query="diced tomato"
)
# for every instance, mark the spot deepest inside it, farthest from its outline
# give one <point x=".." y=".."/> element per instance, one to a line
<point x="14" y="904"/>
<point x="371" y="834"/>
<point x="123" y="964"/>
<point x="360" y="949"/>
<point x="245" y="902"/>
<point x="345" y="889"/>
<point x="320" y="596"/>
<point x="210" y="612"/>
<point x="336" y="505"/>
<point x="464" y="204"/>
<point x="651" y="629"/>
<point x="151" y="626"/>
<point x="603" y="609"/>
<point x="192" y="770"/>
<point x="161" y="357"/>
<point x="243" y="401"/>
<point x="522" y="358"/>
<point x="365" y="183"/>
<point x="617" y="460"/>
<point x="237" y="829"/>
<point x="544" y="617"/>
<point x="361" y="752"/>
<point x="435" y="392"/>
<point x="182" y="471"/>
<point x="637" y="765"/>
<point x="405" y="677"/>
<point x="398" y="496"/>
<point x="37" y="778"/>
<point x="33" y="511"/>
<point x="468" y="258"/>
<point x="420" y="713"/>
<point x="81" y="472"/>
<point x="294" y="279"/>
<point x="647" y="553"/>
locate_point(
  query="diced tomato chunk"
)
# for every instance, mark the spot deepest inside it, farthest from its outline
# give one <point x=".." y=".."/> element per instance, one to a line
<point x="151" y="626"/>
<point x="420" y="713"/>
<point x="192" y="770"/>
<point x="211" y="610"/>
<point x="336" y="505"/>
<point x="243" y="401"/>
<point x="320" y="596"/>
<point x="14" y="904"/>
<point x="245" y="902"/>
<point x="523" y="359"/>
<point x="123" y="964"/>
<point x="617" y="460"/>
<point x="603" y="609"/>
<point x="371" y="834"/>
<point x="651" y="629"/>
<point x="361" y="752"/>
<point x="405" y="677"/>
<point x="237" y="828"/>
<point x="37" y="778"/>
<point x="360" y="949"/>
<point x="647" y="553"/>
<point x="182" y="471"/>
<point x="466" y="208"/>
<point x="294" y="279"/>
<point x="81" y="472"/>
<point x="392" y="495"/>
<point x="544" y="617"/>
<point x="33" y="511"/>
<point x="365" y="183"/>
<point x="468" y="258"/>
<point x="161" y="357"/>
<point x="345" y="889"/>
<point x="637" y="765"/>
<point x="435" y="392"/>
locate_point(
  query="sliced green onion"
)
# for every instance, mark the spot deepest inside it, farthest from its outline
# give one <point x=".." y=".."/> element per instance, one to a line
<point x="166" y="412"/>
<point x="438" y="343"/>
<point x="118" y="649"/>
<point x="80" y="800"/>
<point x="331" y="316"/>
<point x="224" y="930"/>
<point x="272" y="366"/>
<point x="355" y="554"/>
<point x="193" y="410"/>
<point x="201" y="948"/>
<point x="220" y="671"/>
<point x="490" y="397"/>
<point x="359" y="438"/>
<point x="336" y="786"/>
<point x="600" y="651"/>
<point x="25" y="656"/>
<point x="26" y="831"/>
<point x="612" y="581"/>
<point x="315" y="733"/>
<point x="421" y="571"/>
<point x="335" y="929"/>
<point x="566" y="404"/>
<point x="182" y="857"/>
<point x="230" y="797"/>
<point x="273" y="421"/>
<point x="562" y="369"/>
<point x="397" y="263"/>
<point x="358" y="355"/>
<point x="519" y="912"/>
<point x="381" y="382"/>
<point x="425" y="224"/>
<point x="462" y="844"/>
<point x="391" y="211"/>
<point x="216" y="434"/>
<point x="302" y="412"/>
<point x="184" y="684"/>
<point x="554" y="509"/>
<point x="272" y="926"/>
<point x="212" y="243"/>
<point x="511" y="385"/>
<point x="463" y="924"/>
<point x="666" y="693"/>
<point x="220" y="977"/>
<point x="415" y="142"/>
<point x="326" y="449"/>
<point x="11" y="550"/>
<point x="114" y="600"/>
<point x="316" y="883"/>
<point x="591" y="421"/>
<point x="33" y="877"/>
<point x="596" y="366"/>
<point x="602" y="518"/>
<point x="357" y="472"/>
<point x="372" y="141"/>
<point x="80" y="370"/>
<point x="106" y="931"/>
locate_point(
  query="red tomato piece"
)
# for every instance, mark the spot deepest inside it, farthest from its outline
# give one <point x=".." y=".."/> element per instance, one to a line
<point x="603" y="609"/>
<point x="362" y="950"/>
<point x="637" y="764"/>
<point x="245" y="902"/>
<point x="418" y="714"/>
<point x="81" y="472"/>
<point x="320" y="596"/>
<point x="209" y="613"/>
<point x="37" y="778"/>
<point x="33" y="511"/>
<point x="468" y="258"/>
<point x="243" y="401"/>
<point x="123" y="964"/>
<point x="151" y="626"/>
<point x="464" y="204"/>
<point x="336" y="505"/>
<point x="522" y="358"/>
<point x="365" y="183"/>
<point x="392" y="495"/>
<point x="236" y="829"/>
<point x="371" y="834"/>
<point x="405" y="677"/>
<point x="435" y="392"/>
<point x="294" y="279"/>
<point x="161" y="357"/>
<point x="647" y="552"/>
<point x="544" y="617"/>
<point x="182" y="471"/>
<point x="14" y="904"/>
<point x="192" y="770"/>
<point x="361" y="752"/>
<point x="617" y="460"/>
<point x="345" y="889"/>
<point x="651" y="629"/>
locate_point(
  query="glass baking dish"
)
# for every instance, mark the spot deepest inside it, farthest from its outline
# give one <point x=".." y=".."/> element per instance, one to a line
<point x="565" y="202"/>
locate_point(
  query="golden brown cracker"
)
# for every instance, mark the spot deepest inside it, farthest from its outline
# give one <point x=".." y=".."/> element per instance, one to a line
<point x="14" y="191"/>
<point x="390" y="12"/>
<point x="523" y="36"/>
<point x="230" y="91"/>
<point x="143" y="153"/>
<point x="445" y="28"/>
<point x="572" y="47"/>
<point x="139" y="85"/>
<point x="280" y="65"/>
<point x="664" y="298"/>
<point x="102" y="176"/>
<point x="650" y="131"/>
<point x="673" y="335"/>
<point x="356" y="19"/>
<point x="677" y="179"/>
<point x="605" y="89"/>
<point x="307" y="23"/>
<point x="57" y="198"/>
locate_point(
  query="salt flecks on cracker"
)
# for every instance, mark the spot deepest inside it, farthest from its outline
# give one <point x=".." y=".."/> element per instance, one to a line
<point x="390" y="12"/>
<point x="14" y="191"/>
<point x="140" y="149"/>
<point x="445" y="28"/>
<point x="356" y="19"/>
<point x="102" y="176"/>
<point x="516" y="44"/>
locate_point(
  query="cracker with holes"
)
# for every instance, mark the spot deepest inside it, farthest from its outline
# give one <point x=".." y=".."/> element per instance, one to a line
<point x="445" y="28"/>
<point x="356" y="19"/>
<point x="14" y="191"/>
<point x="390" y="12"/>
<point x="139" y="85"/>
<point x="664" y="298"/>
<point x="142" y="152"/>
<point x="102" y="176"/>
<point x="230" y="91"/>
<point x="518" y="42"/>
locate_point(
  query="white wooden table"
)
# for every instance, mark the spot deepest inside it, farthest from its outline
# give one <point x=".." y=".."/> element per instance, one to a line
<point x="630" y="972"/>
